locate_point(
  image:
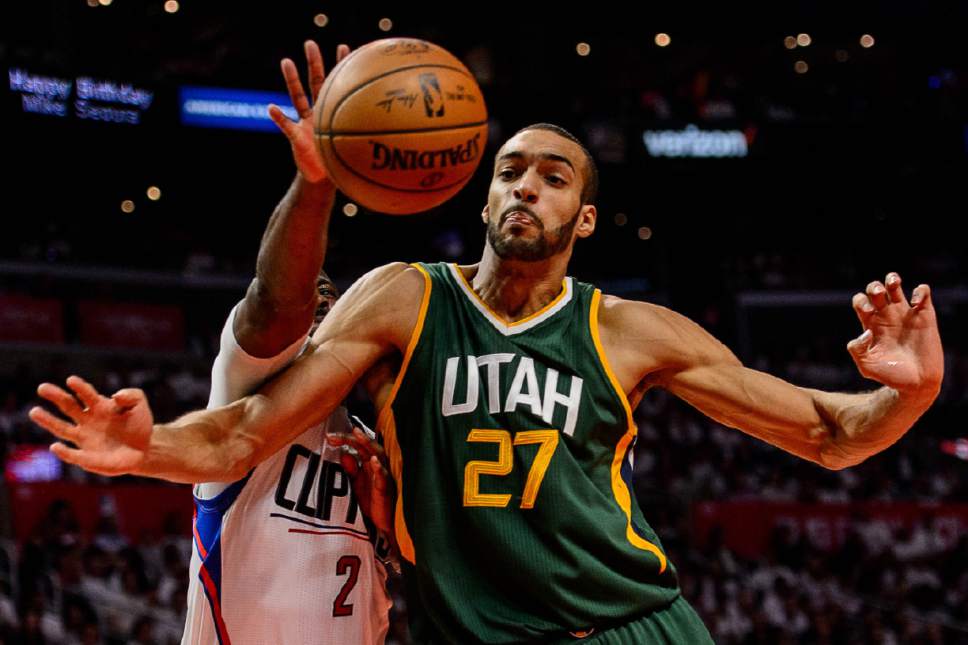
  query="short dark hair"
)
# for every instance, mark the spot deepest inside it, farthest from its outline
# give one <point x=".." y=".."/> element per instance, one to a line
<point x="589" y="190"/>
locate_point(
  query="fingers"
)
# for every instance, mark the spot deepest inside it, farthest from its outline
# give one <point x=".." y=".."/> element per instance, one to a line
<point x="860" y="345"/>
<point x="921" y="297"/>
<point x="127" y="398"/>
<point x="283" y="122"/>
<point x="359" y="454"/>
<point x="317" y="73"/>
<point x="65" y="453"/>
<point x="367" y="447"/>
<point x="877" y="294"/>
<point x="349" y="461"/>
<point x="64" y="401"/>
<point x="895" y="294"/>
<point x="83" y="459"/>
<point x="296" y="92"/>
<point x="863" y="308"/>
<point x="358" y="441"/>
<point x="54" y="425"/>
<point x="336" y="438"/>
<point x="377" y="473"/>
<point x="342" y="51"/>
<point x="84" y="391"/>
<point x="382" y="495"/>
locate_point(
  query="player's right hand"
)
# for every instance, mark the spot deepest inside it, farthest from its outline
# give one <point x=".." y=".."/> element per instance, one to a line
<point x="111" y="434"/>
<point x="364" y="461"/>
<point x="300" y="133"/>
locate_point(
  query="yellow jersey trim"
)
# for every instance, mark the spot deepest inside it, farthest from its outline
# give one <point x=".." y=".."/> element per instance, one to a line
<point x="619" y="489"/>
<point x="387" y="426"/>
<point x="500" y="323"/>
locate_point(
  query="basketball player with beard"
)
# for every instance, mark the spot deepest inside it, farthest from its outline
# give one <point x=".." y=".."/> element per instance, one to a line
<point x="508" y="420"/>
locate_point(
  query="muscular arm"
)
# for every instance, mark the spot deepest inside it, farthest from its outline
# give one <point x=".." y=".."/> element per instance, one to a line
<point x="654" y="346"/>
<point x="116" y="435"/>
<point x="375" y="318"/>
<point x="280" y="303"/>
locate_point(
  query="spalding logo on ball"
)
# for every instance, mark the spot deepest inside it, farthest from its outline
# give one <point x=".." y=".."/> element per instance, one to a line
<point x="401" y="124"/>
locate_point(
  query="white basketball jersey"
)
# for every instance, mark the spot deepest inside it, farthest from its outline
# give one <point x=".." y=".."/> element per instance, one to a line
<point x="284" y="555"/>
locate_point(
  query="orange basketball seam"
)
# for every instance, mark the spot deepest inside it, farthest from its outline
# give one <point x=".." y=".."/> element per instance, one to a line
<point x="395" y="189"/>
<point x="340" y="133"/>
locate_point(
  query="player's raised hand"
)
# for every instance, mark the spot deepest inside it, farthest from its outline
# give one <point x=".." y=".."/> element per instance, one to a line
<point x="111" y="434"/>
<point x="300" y="133"/>
<point x="900" y="346"/>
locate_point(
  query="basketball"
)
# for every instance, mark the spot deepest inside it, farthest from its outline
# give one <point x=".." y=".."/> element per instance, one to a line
<point x="401" y="125"/>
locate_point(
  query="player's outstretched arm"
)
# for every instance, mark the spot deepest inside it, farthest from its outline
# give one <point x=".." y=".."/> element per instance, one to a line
<point x="900" y="348"/>
<point x="280" y="303"/>
<point x="117" y="435"/>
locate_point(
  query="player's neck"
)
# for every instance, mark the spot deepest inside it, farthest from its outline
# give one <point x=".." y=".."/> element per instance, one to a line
<point x="514" y="289"/>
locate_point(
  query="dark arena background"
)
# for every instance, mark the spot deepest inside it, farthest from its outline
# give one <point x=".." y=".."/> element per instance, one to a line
<point x="756" y="171"/>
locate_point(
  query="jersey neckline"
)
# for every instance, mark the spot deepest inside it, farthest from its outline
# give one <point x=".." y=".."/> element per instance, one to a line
<point x="499" y="323"/>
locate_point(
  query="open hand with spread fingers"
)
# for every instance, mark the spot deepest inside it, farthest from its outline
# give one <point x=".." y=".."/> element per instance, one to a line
<point x="900" y="346"/>
<point x="111" y="435"/>
<point x="300" y="133"/>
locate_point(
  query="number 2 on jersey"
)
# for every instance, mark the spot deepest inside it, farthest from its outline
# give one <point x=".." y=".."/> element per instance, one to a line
<point x="347" y="564"/>
<point x="548" y="441"/>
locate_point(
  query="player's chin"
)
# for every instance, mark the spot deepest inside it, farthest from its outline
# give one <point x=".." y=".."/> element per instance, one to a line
<point x="520" y="231"/>
<point x="515" y="246"/>
<point x="520" y="249"/>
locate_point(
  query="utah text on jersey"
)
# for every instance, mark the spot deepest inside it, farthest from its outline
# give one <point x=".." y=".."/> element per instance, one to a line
<point x="524" y="391"/>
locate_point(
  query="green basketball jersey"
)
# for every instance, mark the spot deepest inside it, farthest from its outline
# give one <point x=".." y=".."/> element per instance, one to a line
<point x="511" y="445"/>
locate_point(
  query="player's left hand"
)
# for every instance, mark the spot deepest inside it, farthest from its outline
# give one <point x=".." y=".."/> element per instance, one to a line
<point x="364" y="460"/>
<point x="900" y="346"/>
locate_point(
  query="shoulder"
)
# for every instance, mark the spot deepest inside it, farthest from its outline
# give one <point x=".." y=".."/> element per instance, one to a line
<point x="635" y="318"/>
<point x="396" y="280"/>
<point x="666" y="337"/>
<point x="384" y="303"/>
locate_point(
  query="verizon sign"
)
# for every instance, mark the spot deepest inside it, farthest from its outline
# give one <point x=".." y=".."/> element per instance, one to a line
<point x="695" y="143"/>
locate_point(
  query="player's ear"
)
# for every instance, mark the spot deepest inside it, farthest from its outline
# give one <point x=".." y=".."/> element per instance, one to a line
<point x="485" y="213"/>
<point x="587" y="217"/>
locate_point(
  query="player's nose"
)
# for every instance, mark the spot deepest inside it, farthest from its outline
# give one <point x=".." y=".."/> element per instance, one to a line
<point x="526" y="188"/>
